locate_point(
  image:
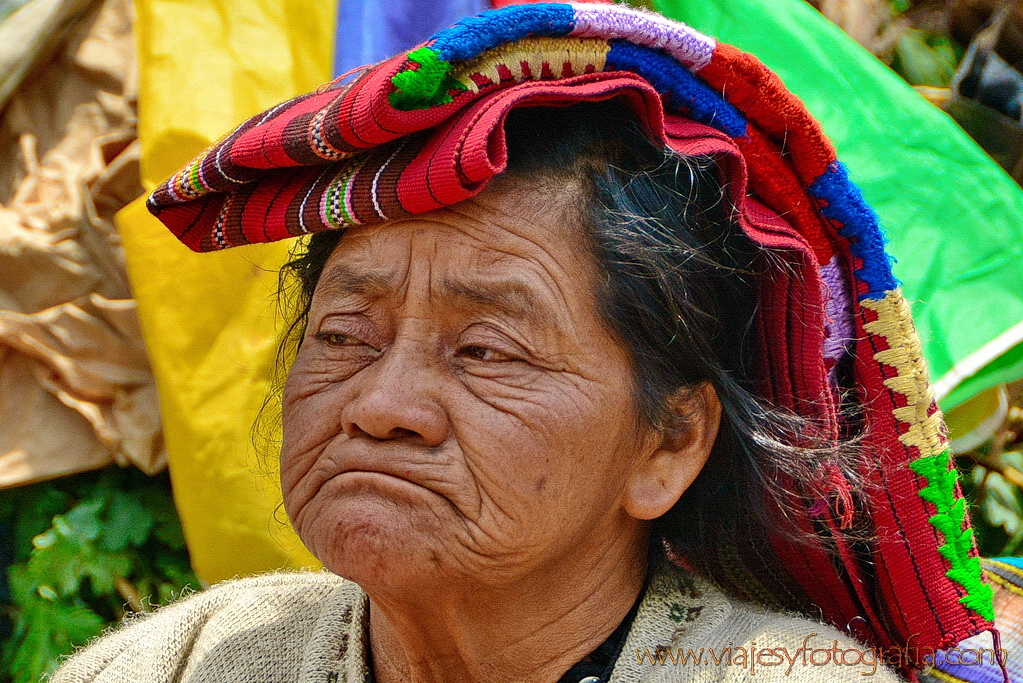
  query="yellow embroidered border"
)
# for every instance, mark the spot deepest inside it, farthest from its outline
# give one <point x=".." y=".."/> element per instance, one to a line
<point x="580" y="53"/>
<point x="895" y="324"/>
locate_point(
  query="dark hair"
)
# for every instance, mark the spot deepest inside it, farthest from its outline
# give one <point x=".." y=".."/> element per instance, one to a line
<point x="678" y="287"/>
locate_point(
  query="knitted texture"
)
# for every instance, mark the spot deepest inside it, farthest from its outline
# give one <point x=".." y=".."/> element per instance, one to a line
<point x="425" y="130"/>
<point x="311" y="628"/>
<point x="426" y="87"/>
<point x="975" y="660"/>
<point x="949" y="520"/>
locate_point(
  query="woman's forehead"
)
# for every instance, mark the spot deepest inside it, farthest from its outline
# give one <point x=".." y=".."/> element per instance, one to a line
<point x="496" y="250"/>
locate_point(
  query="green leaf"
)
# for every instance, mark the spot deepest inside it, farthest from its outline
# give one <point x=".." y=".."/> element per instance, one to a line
<point x="167" y="592"/>
<point x="167" y="526"/>
<point x="58" y="564"/>
<point x="35" y="507"/>
<point x="71" y="558"/>
<point x="49" y="630"/>
<point x="1001" y="504"/>
<point x="175" y="568"/>
<point x="1012" y="459"/>
<point x="924" y="58"/>
<point x="127" y="522"/>
<point x="45" y="539"/>
<point x="74" y="537"/>
<point x="22" y="584"/>
<point x="47" y="593"/>
<point x="83" y="520"/>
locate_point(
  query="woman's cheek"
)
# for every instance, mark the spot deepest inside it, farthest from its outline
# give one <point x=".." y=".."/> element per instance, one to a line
<point x="311" y="416"/>
<point x="529" y="433"/>
<point x="527" y="394"/>
<point x="314" y="391"/>
<point x="318" y="364"/>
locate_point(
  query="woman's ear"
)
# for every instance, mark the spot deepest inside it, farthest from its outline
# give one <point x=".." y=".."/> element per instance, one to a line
<point x="663" y="476"/>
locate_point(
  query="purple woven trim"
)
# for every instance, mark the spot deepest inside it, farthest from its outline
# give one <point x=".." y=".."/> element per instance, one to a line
<point x="837" y="309"/>
<point x="966" y="667"/>
<point x="644" y="28"/>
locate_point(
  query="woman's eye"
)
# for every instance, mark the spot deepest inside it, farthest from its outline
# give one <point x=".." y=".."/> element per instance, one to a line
<point x="484" y="353"/>
<point x="338" y="339"/>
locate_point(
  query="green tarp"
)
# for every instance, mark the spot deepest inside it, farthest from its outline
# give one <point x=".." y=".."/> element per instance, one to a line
<point x="953" y="218"/>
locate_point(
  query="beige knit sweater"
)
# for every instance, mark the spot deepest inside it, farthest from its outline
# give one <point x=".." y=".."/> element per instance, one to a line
<point x="311" y="628"/>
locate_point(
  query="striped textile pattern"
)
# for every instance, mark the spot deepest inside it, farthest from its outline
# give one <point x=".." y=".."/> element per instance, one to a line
<point x="975" y="660"/>
<point x="423" y="130"/>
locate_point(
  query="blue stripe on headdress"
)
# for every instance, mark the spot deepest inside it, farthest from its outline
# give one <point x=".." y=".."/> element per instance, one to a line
<point x="474" y="35"/>
<point x="684" y="90"/>
<point x="859" y="225"/>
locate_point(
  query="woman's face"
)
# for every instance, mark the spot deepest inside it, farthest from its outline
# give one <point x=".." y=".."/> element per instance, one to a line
<point x="458" y="410"/>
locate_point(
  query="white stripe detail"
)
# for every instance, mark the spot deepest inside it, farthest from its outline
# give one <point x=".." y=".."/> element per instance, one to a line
<point x="220" y="169"/>
<point x="972" y="364"/>
<point x="305" y="200"/>
<point x="376" y="180"/>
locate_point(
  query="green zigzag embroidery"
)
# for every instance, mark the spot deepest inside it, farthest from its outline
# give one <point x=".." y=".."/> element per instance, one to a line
<point x="426" y="87"/>
<point x="965" y="570"/>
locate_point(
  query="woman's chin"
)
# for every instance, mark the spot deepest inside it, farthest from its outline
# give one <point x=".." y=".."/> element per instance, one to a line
<point x="381" y="541"/>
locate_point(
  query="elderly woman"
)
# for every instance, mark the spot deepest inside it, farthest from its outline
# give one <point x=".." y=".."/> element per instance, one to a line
<point x="598" y="374"/>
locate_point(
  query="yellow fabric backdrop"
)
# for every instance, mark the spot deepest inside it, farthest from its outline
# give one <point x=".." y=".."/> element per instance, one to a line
<point x="205" y="66"/>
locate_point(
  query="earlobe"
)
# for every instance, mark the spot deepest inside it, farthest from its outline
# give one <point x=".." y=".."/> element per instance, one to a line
<point x="663" y="476"/>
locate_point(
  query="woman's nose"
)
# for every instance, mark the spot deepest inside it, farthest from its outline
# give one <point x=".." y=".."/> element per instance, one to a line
<point x="397" y="397"/>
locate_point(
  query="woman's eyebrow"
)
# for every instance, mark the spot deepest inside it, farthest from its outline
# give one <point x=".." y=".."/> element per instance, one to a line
<point x="512" y="297"/>
<point x="343" y="280"/>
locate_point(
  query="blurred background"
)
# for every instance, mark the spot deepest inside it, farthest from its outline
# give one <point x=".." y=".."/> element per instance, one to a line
<point x="132" y="370"/>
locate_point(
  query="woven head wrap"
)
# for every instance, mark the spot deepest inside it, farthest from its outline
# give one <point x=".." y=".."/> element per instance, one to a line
<point x="424" y="130"/>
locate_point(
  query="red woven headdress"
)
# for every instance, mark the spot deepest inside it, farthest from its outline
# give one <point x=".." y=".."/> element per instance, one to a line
<point x="424" y="130"/>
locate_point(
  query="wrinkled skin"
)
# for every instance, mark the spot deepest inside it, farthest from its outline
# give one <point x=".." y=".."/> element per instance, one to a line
<point x="460" y="434"/>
